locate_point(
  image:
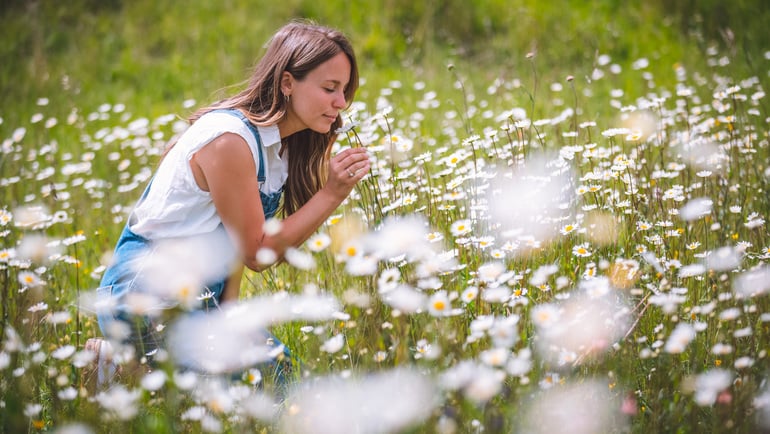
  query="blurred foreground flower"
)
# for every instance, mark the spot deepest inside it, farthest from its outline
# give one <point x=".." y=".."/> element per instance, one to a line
<point x="753" y="282"/>
<point x="235" y="338"/>
<point x="584" y="408"/>
<point x="585" y="325"/>
<point x="530" y="201"/>
<point x="378" y="403"/>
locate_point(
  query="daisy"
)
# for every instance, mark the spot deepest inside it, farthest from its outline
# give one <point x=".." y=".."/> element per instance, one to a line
<point x="389" y="279"/>
<point x="461" y="227"/>
<point x="566" y="229"/>
<point x="497" y="253"/>
<point x="581" y="250"/>
<point x="7" y="254"/>
<point x="495" y="356"/>
<point x="545" y="315"/>
<point x="439" y="304"/>
<point x="469" y="294"/>
<point x="299" y="259"/>
<point x="333" y="344"/>
<point x="29" y="279"/>
<point x="351" y="249"/>
<point x="5" y="217"/>
<point x="318" y="242"/>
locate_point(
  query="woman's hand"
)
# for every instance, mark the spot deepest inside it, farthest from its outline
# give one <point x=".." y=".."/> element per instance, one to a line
<point x="345" y="170"/>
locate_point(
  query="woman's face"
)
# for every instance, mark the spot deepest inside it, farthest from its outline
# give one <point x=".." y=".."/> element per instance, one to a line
<point x="317" y="100"/>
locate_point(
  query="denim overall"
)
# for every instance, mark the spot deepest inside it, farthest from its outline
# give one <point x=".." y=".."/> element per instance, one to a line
<point x="119" y="279"/>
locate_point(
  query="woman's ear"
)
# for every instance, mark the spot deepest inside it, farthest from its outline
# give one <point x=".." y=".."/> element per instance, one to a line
<point x="287" y="83"/>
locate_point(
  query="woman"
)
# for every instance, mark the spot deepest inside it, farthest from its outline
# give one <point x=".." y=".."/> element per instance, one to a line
<point x="275" y="138"/>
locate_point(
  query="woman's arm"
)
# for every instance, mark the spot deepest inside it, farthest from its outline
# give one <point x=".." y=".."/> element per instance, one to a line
<point x="225" y="167"/>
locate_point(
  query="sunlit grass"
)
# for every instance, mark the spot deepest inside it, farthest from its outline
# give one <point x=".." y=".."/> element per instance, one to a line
<point x="523" y="255"/>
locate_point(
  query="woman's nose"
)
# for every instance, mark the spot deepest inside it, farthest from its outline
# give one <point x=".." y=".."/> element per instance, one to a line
<point x="339" y="101"/>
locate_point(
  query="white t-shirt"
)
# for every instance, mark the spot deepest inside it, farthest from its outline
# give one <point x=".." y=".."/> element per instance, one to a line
<point x="175" y="206"/>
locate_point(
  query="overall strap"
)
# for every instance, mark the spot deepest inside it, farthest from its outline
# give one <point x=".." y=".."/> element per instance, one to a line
<point x="237" y="113"/>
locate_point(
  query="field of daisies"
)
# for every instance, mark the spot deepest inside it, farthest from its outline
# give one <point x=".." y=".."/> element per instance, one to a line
<point x="526" y="255"/>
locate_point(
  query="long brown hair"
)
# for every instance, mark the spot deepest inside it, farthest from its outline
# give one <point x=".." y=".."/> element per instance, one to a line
<point x="297" y="48"/>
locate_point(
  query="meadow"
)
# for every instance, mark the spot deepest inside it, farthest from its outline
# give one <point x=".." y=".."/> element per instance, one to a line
<point x="564" y="229"/>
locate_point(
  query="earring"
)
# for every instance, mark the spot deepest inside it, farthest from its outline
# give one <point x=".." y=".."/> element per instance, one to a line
<point x="287" y="98"/>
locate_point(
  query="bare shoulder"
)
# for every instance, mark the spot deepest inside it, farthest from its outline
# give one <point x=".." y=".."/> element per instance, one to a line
<point x="225" y="158"/>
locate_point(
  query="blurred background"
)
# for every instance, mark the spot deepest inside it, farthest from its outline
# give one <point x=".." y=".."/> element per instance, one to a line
<point x="154" y="54"/>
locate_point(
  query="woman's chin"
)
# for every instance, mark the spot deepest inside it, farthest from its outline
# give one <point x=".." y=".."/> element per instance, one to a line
<point x="322" y="130"/>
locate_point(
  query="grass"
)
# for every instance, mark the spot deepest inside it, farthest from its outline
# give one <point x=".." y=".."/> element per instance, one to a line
<point x="597" y="284"/>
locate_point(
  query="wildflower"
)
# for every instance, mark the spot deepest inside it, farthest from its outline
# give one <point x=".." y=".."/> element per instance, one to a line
<point x="696" y="208"/>
<point x="754" y="221"/>
<point x="730" y="314"/>
<point x="29" y="279"/>
<point x="567" y="229"/>
<point x="720" y="349"/>
<point x="764" y="253"/>
<point x="389" y="279"/>
<point x="518" y="293"/>
<point x="425" y="349"/>
<point x="406" y="299"/>
<point x="272" y="226"/>
<point x="439" y="304"/>
<point x="744" y="362"/>
<point x="469" y="294"/>
<point x="361" y="266"/>
<point x="5" y="217"/>
<point x="67" y="394"/>
<point x="692" y="270"/>
<point x="497" y="254"/>
<point x="318" y="242"/>
<point x="380" y="356"/>
<point x="61" y="317"/>
<point x="581" y="250"/>
<point x="754" y="282"/>
<point x="333" y="344"/>
<point x="709" y="384"/>
<point x="461" y="227"/>
<point x="723" y="259"/>
<point x="7" y="254"/>
<point x="549" y="380"/>
<point x="585" y="407"/>
<point x="520" y="364"/>
<point x="667" y="301"/>
<point x="32" y="410"/>
<point x="643" y="226"/>
<point x="545" y="315"/>
<point x="680" y="338"/>
<point x="41" y="306"/>
<point x="31" y="216"/>
<point x="504" y="331"/>
<point x="154" y="380"/>
<point x="64" y="352"/>
<point x="389" y="401"/>
<point x="299" y="259"/>
<point x="351" y="249"/>
<point x="398" y="236"/>
<point x="119" y="401"/>
<point x="495" y="356"/>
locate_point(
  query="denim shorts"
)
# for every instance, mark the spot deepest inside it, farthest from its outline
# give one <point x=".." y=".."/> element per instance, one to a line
<point x="144" y="334"/>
